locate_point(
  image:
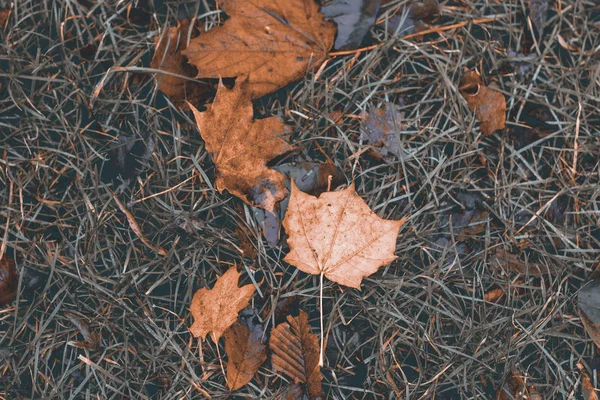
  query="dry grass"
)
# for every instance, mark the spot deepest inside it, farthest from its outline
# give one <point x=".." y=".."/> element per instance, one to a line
<point x="419" y="328"/>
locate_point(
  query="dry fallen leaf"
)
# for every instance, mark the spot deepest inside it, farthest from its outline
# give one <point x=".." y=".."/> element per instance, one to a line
<point x="4" y="15"/>
<point x="338" y="235"/>
<point x="241" y="147"/>
<point x="381" y="127"/>
<point x="167" y="57"/>
<point x="501" y="257"/>
<point x="487" y="102"/>
<point x="246" y="352"/>
<point x="272" y="42"/>
<point x="515" y="388"/>
<point x="216" y="309"/>
<point x="588" y="392"/>
<point x="588" y="302"/>
<point x="9" y="280"/>
<point x="295" y="352"/>
<point x="293" y="392"/>
<point x="354" y="18"/>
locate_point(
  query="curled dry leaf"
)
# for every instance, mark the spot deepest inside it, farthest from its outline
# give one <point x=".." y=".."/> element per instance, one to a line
<point x="168" y="57"/>
<point x="338" y="235"/>
<point x="588" y="392"/>
<point x="588" y="302"/>
<point x="216" y="309"/>
<point x="245" y="351"/>
<point x="487" y="102"/>
<point x="515" y="388"/>
<point x="272" y="42"/>
<point x="9" y="280"/>
<point x="295" y="352"/>
<point x="380" y="129"/>
<point x="241" y="147"/>
<point x="354" y="18"/>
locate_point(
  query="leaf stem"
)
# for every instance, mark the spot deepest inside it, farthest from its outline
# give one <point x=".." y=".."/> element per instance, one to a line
<point x="321" y="315"/>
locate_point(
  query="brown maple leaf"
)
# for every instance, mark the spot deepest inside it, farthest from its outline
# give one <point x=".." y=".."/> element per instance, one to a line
<point x="167" y="57"/>
<point x="487" y="102"/>
<point x="295" y="352"/>
<point x="272" y="42"/>
<point x="241" y="147"/>
<point x="216" y="309"/>
<point x="9" y="280"/>
<point x="246" y="352"/>
<point x="338" y="235"/>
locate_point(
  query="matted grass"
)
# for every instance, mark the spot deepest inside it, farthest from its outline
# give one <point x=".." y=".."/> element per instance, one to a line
<point x="419" y="328"/>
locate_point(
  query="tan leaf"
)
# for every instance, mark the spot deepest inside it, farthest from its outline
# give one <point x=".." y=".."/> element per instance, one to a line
<point x="216" y="309"/>
<point x="4" y="15"/>
<point x="588" y="303"/>
<point x="338" y="235"/>
<point x="9" y="280"/>
<point x="241" y="147"/>
<point x="487" y="102"/>
<point x="295" y="352"/>
<point x="167" y="57"/>
<point x="246" y="353"/>
<point x="272" y="42"/>
<point x="588" y="392"/>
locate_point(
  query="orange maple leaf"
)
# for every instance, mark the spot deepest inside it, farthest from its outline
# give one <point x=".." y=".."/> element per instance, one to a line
<point x="217" y="309"/>
<point x="272" y="42"/>
<point x="241" y="147"/>
<point x="338" y="235"/>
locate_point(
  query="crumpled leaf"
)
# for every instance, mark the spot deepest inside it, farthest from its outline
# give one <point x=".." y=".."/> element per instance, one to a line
<point x="588" y="392"/>
<point x="354" y="18"/>
<point x="295" y="352"/>
<point x="9" y="280"/>
<point x="588" y="302"/>
<point x="168" y="57"/>
<point x="271" y="42"/>
<point x="241" y="147"/>
<point x="338" y="235"/>
<point x="216" y="309"/>
<point x="246" y="352"/>
<point x="487" y="102"/>
<point x="515" y="388"/>
<point x="380" y="129"/>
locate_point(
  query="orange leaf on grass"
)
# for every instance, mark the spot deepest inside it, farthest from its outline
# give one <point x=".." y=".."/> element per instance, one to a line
<point x="272" y="42"/>
<point x="487" y="102"/>
<point x="246" y="353"/>
<point x="168" y="57"/>
<point x="216" y="309"/>
<point x="338" y="235"/>
<point x="241" y="147"/>
<point x="295" y="352"/>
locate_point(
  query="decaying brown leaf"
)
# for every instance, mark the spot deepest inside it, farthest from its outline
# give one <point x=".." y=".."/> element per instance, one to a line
<point x="487" y="102"/>
<point x="381" y="129"/>
<point x="216" y="309"/>
<point x="588" y="392"/>
<point x="354" y="18"/>
<point x="295" y="352"/>
<point x="338" y="235"/>
<point x="293" y="392"/>
<point x="4" y="15"/>
<point x="168" y="57"/>
<point x="9" y="280"/>
<point x="515" y="388"/>
<point x="241" y="147"/>
<point x="271" y="42"/>
<point x="246" y="352"/>
<point x="588" y="303"/>
<point x="501" y="257"/>
<point x="537" y="12"/>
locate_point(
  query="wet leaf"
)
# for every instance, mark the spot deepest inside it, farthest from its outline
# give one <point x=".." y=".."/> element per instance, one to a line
<point x="487" y="102"/>
<point x="241" y="147"/>
<point x="245" y="351"/>
<point x="405" y="22"/>
<point x="354" y="19"/>
<point x="216" y="309"/>
<point x="295" y="353"/>
<point x="588" y="302"/>
<point x="168" y="57"/>
<point x="271" y="42"/>
<point x="501" y="257"/>
<point x="538" y="9"/>
<point x="381" y="129"/>
<point x="9" y="280"/>
<point x="338" y="235"/>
